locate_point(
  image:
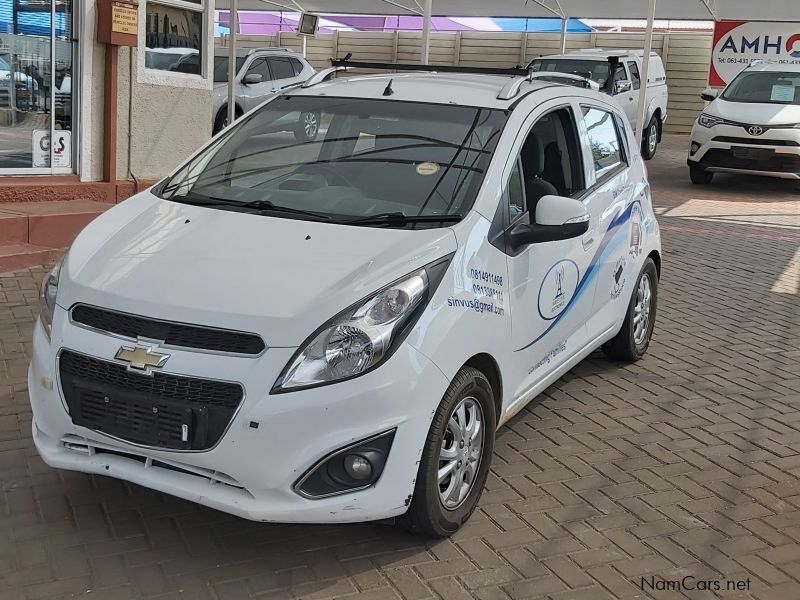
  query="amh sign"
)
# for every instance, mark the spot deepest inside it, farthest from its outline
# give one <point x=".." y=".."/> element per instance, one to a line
<point x="739" y="43"/>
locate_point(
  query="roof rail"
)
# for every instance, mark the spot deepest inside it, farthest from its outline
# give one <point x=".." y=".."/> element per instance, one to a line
<point x="346" y="62"/>
<point x="321" y="76"/>
<point x="271" y="49"/>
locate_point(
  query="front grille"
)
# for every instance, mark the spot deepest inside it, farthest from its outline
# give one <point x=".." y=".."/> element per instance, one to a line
<point x="777" y="163"/>
<point x="161" y="410"/>
<point x="171" y="334"/>
<point x="754" y="141"/>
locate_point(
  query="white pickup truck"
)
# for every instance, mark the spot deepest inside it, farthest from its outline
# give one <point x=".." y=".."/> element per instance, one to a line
<point x="617" y="72"/>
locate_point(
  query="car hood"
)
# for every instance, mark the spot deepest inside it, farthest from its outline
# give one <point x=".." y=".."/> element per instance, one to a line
<point x="755" y="113"/>
<point x="280" y="278"/>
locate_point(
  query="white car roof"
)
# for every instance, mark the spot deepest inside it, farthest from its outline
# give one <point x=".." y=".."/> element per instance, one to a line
<point x="599" y="53"/>
<point x="439" y="88"/>
<point x="784" y="68"/>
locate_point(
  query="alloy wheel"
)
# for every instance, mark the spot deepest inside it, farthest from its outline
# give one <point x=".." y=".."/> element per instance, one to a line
<point x="641" y="310"/>
<point x="460" y="453"/>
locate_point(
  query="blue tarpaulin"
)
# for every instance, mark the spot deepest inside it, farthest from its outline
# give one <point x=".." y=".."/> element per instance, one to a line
<point x="543" y="25"/>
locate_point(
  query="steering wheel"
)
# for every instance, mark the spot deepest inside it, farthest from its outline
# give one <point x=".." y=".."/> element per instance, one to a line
<point x="328" y="169"/>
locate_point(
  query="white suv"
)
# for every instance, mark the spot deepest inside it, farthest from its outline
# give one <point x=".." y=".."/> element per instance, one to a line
<point x="332" y="331"/>
<point x="753" y="127"/>
<point x="260" y="74"/>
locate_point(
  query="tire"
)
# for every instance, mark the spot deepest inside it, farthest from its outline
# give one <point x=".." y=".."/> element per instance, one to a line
<point x="699" y="175"/>
<point x="221" y="122"/>
<point x="428" y="515"/>
<point x="307" y="128"/>
<point x="650" y="139"/>
<point x="631" y="344"/>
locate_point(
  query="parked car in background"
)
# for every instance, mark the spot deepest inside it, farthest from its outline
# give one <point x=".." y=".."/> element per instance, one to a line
<point x="618" y="73"/>
<point x="333" y="332"/>
<point x="752" y="127"/>
<point x="260" y="74"/>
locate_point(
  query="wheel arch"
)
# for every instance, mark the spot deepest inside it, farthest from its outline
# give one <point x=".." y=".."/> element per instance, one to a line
<point x="486" y="364"/>
<point x="656" y="256"/>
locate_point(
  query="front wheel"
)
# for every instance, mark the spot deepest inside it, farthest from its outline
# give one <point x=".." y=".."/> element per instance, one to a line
<point x="650" y="139"/>
<point x="631" y="343"/>
<point x="307" y="128"/>
<point x="455" y="459"/>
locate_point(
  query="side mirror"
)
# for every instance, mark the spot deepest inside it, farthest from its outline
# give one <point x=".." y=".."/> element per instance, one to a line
<point x="709" y="95"/>
<point x="557" y="218"/>
<point x="623" y="85"/>
<point x="252" y="78"/>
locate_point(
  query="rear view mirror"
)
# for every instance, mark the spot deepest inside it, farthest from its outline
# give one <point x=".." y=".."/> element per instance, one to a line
<point x="557" y="218"/>
<point x="252" y="78"/>
<point x="623" y="85"/>
<point x="709" y="95"/>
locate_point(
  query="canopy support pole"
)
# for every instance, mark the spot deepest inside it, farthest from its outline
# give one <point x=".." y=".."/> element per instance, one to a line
<point x="641" y="111"/>
<point x="233" y="21"/>
<point x="564" y="21"/>
<point x="426" y="31"/>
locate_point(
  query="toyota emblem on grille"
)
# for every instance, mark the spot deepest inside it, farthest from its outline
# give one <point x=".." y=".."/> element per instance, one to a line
<point x="141" y="358"/>
<point x="755" y="130"/>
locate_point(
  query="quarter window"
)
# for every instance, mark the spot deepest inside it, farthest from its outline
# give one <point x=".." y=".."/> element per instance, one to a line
<point x="296" y="65"/>
<point x="604" y="140"/>
<point x="516" y="192"/>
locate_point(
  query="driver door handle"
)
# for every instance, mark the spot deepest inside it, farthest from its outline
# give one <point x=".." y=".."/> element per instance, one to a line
<point x="588" y="239"/>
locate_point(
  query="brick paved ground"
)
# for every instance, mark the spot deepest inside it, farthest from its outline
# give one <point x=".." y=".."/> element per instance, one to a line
<point x="687" y="463"/>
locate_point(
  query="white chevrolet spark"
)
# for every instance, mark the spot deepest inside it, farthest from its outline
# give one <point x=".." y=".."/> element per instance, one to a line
<point x="332" y="330"/>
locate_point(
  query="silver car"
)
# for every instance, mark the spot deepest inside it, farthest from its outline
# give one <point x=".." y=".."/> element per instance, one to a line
<point x="260" y="74"/>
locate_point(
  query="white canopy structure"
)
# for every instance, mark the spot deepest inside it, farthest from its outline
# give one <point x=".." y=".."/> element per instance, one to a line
<point x="718" y="10"/>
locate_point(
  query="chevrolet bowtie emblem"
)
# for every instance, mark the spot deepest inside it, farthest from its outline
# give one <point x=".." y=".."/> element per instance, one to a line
<point x="141" y="358"/>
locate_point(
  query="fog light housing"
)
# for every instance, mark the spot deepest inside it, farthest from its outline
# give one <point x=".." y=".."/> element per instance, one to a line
<point x="350" y="468"/>
<point x="694" y="148"/>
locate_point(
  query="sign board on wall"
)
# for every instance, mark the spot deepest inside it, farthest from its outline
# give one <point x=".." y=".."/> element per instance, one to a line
<point x="124" y="18"/>
<point x="738" y="43"/>
<point x="62" y="149"/>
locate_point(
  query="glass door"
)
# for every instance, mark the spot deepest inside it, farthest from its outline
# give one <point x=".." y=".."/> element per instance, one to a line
<point x="36" y="92"/>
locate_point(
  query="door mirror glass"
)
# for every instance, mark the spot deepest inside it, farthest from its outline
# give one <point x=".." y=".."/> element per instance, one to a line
<point x="622" y="86"/>
<point x="709" y="95"/>
<point x="252" y="78"/>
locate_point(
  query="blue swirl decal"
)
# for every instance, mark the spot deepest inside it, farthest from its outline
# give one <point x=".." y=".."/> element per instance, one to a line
<point x="609" y="242"/>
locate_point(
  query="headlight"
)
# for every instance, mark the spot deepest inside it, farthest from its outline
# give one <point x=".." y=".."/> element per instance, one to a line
<point x="363" y="336"/>
<point x="47" y="297"/>
<point x="707" y="120"/>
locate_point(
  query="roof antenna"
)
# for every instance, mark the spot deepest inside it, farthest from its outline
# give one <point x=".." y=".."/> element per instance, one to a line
<point x="388" y="91"/>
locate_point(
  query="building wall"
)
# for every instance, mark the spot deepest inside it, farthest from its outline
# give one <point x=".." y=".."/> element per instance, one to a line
<point x="686" y="56"/>
<point x="162" y="117"/>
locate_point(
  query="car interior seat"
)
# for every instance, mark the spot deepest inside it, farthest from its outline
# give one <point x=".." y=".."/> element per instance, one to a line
<point x="533" y="164"/>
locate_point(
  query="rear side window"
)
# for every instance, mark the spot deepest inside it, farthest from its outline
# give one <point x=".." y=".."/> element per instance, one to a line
<point x="635" y="79"/>
<point x="604" y="139"/>
<point x="281" y="68"/>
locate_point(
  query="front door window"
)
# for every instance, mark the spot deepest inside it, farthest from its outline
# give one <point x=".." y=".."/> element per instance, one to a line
<point x="36" y="86"/>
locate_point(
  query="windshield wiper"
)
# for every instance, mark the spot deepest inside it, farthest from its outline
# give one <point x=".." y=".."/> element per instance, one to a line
<point x="400" y="219"/>
<point x="253" y="205"/>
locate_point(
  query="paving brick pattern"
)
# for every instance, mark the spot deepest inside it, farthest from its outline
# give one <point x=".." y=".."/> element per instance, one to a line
<point x="685" y="464"/>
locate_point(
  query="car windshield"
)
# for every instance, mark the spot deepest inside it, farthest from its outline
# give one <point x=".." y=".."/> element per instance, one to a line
<point x="596" y="70"/>
<point x="343" y="159"/>
<point x="221" y="68"/>
<point x="766" y="87"/>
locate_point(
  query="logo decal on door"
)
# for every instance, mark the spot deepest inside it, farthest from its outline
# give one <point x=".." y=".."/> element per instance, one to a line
<point x="558" y="287"/>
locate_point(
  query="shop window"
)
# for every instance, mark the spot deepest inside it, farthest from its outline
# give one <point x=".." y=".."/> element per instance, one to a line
<point x="175" y="36"/>
<point x="36" y="87"/>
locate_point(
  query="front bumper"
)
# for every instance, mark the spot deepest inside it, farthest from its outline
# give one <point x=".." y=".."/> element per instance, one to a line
<point x="776" y="153"/>
<point x="251" y="471"/>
